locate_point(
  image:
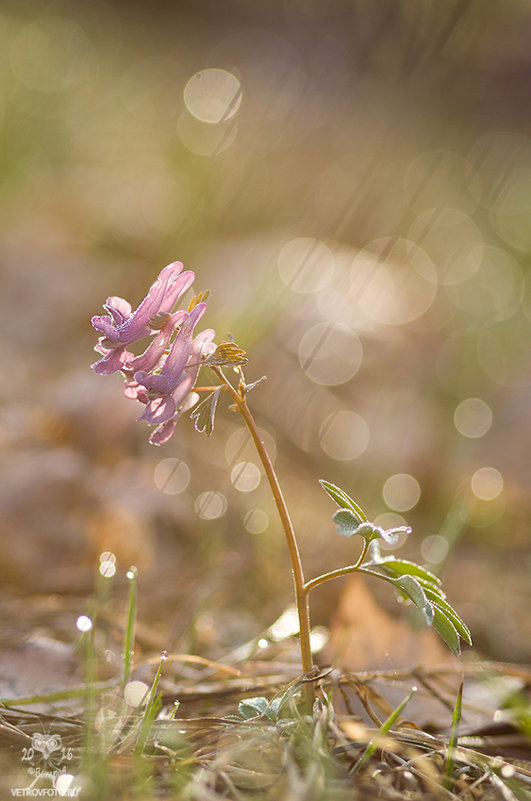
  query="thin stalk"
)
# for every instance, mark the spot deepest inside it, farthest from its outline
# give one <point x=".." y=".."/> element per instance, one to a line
<point x="342" y="571"/>
<point x="129" y="645"/>
<point x="454" y="737"/>
<point x="301" y="595"/>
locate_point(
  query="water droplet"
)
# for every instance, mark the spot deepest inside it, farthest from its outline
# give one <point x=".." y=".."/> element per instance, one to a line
<point x="262" y="643"/>
<point x="132" y="573"/>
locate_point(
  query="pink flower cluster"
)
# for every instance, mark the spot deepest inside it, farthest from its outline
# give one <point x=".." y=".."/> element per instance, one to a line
<point x="164" y="375"/>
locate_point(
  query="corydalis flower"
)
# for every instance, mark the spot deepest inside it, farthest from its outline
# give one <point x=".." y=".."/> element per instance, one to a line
<point x="164" y="375"/>
<point x="122" y="327"/>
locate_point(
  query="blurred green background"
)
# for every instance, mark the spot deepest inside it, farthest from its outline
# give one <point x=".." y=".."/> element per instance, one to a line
<point x="352" y="181"/>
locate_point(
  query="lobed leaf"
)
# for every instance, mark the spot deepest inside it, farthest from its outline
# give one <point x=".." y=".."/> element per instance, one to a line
<point x="204" y="412"/>
<point x="227" y="353"/>
<point x="343" y="500"/>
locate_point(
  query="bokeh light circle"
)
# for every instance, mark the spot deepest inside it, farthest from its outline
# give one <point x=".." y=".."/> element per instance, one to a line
<point x="306" y="265"/>
<point x="434" y="549"/>
<point x="84" y="623"/>
<point x="452" y="240"/>
<point x="344" y="435"/>
<point x="245" y="476"/>
<point x="171" y="476"/>
<point x="256" y="521"/>
<point x="401" y="492"/>
<point x="136" y="693"/>
<point x="393" y="281"/>
<point x="213" y="95"/>
<point x="473" y="417"/>
<point x="496" y="289"/>
<point x="330" y="353"/>
<point x="487" y="483"/>
<point x="210" y="505"/>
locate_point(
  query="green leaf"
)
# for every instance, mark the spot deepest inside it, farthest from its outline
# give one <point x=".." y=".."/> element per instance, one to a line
<point x="446" y="629"/>
<point x="403" y="566"/>
<point x="253" y="707"/>
<point x="343" y="500"/>
<point x="437" y="597"/>
<point x="204" y="412"/>
<point x="347" y="522"/>
<point x="412" y="588"/>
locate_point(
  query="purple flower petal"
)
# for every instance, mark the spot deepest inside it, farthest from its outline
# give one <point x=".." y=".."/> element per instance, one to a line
<point x="165" y="431"/>
<point x="135" y="391"/>
<point x="159" y="411"/>
<point x="121" y="327"/>
<point x="119" y="309"/>
<point x="164" y="375"/>
<point x="112" y="361"/>
<point x="148" y="360"/>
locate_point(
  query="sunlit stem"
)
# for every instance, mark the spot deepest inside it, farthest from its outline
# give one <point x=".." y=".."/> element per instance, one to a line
<point x="301" y="595"/>
<point x="342" y="571"/>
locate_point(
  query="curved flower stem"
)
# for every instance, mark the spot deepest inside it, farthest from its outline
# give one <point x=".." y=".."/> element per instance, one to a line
<point x="301" y="594"/>
<point x="342" y="571"/>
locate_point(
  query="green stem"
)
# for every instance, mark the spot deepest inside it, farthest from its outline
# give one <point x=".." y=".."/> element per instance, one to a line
<point x="342" y="571"/>
<point x="301" y="595"/>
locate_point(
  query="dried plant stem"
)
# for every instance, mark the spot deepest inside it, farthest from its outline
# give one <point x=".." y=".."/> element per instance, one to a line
<point x="301" y="594"/>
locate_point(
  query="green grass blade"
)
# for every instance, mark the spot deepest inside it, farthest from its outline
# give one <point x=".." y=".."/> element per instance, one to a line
<point x="454" y="734"/>
<point x="151" y="708"/>
<point x="393" y="717"/>
<point x="129" y="645"/>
